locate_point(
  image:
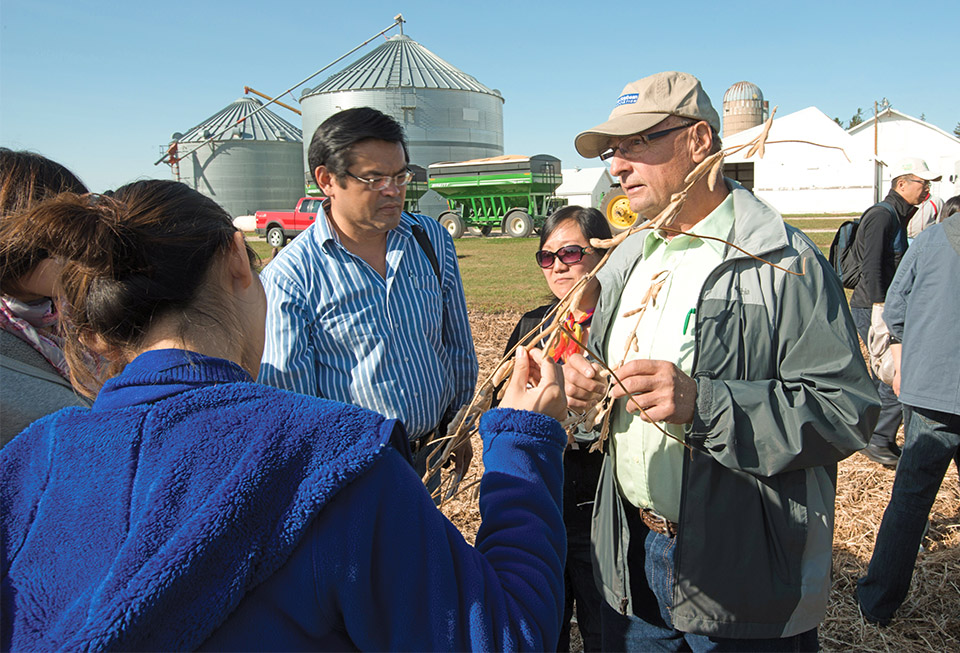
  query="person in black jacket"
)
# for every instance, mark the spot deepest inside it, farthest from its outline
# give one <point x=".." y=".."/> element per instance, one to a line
<point x="565" y="256"/>
<point x="880" y="244"/>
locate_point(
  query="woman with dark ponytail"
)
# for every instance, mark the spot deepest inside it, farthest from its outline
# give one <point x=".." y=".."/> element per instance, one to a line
<point x="192" y="508"/>
<point x="36" y="380"/>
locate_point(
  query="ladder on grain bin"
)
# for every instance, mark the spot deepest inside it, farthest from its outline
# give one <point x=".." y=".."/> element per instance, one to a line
<point x="513" y="193"/>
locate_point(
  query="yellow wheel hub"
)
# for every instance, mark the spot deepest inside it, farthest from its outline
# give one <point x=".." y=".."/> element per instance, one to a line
<point x="619" y="213"/>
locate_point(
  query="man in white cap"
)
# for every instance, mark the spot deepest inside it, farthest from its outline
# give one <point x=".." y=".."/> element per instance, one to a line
<point x="880" y="243"/>
<point x="727" y="543"/>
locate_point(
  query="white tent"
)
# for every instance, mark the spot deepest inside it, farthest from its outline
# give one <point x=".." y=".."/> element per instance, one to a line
<point x="799" y="177"/>
<point x="899" y="135"/>
<point x="585" y="186"/>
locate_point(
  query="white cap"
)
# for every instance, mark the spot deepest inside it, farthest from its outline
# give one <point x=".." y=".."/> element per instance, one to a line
<point x="913" y="166"/>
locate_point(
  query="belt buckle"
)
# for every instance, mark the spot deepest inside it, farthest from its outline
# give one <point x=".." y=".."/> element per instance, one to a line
<point x="419" y="443"/>
<point x="665" y="525"/>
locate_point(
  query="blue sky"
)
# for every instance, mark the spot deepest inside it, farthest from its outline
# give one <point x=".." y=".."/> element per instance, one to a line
<point x="100" y="86"/>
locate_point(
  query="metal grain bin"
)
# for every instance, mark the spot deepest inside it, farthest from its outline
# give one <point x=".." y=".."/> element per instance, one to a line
<point x="255" y="165"/>
<point x="447" y="115"/>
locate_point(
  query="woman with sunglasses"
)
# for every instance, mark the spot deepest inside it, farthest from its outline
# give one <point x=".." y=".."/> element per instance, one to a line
<point x="191" y="508"/>
<point x="564" y="257"/>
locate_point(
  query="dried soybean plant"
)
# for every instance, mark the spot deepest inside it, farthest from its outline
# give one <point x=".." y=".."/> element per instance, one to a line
<point x="466" y="422"/>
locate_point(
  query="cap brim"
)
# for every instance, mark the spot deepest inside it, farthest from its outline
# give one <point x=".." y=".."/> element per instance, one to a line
<point x="592" y="142"/>
<point x="929" y="175"/>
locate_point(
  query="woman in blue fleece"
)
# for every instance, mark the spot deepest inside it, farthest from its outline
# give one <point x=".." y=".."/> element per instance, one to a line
<point x="191" y="508"/>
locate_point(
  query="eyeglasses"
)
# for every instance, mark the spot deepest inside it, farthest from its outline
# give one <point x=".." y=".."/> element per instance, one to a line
<point x="924" y="182"/>
<point x="568" y="255"/>
<point x="632" y="147"/>
<point x="382" y="183"/>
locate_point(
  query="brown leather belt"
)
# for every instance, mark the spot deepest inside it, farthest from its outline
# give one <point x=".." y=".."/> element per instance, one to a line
<point x="657" y="523"/>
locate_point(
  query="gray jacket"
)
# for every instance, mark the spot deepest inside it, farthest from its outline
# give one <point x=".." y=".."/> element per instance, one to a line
<point x="923" y="310"/>
<point x="782" y="395"/>
<point x="31" y="387"/>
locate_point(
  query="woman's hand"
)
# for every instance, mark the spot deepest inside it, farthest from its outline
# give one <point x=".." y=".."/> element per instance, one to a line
<point x="536" y="386"/>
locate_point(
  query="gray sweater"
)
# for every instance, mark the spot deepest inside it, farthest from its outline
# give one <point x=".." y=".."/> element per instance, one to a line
<point x="922" y="309"/>
<point x="30" y="387"/>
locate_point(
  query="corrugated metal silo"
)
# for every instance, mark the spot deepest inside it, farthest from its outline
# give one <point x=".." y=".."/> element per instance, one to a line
<point x="743" y="108"/>
<point x="447" y="115"/>
<point x="257" y="164"/>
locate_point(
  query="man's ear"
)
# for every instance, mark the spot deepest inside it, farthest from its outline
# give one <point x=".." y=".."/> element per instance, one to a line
<point x="701" y="141"/>
<point x="326" y="181"/>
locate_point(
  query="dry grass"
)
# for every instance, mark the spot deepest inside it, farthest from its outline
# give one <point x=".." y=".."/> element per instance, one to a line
<point x="929" y="620"/>
<point x="930" y="617"/>
<point x="490" y="334"/>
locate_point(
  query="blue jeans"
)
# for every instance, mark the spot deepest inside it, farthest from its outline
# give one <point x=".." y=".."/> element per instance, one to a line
<point x="932" y="440"/>
<point x="891" y="411"/>
<point x="653" y="630"/>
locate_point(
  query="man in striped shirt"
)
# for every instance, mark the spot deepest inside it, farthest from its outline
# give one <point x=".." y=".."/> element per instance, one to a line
<point x="362" y="308"/>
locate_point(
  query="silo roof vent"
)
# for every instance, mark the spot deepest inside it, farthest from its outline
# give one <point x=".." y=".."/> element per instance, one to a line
<point x="263" y="126"/>
<point x="400" y="62"/>
<point x="743" y="91"/>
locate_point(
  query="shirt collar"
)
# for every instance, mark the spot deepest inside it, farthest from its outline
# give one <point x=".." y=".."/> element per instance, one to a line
<point x="162" y="373"/>
<point x="717" y="224"/>
<point x="904" y="209"/>
<point x="325" y="233"/>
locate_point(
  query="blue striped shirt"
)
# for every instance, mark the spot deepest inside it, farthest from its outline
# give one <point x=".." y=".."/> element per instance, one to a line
<point x="399" y="345"/>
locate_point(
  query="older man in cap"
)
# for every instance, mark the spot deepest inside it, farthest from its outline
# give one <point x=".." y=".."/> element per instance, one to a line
<point x="720" y="539"/>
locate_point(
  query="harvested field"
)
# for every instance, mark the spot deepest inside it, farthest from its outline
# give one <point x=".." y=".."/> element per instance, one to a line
<point x="930" y="618"/>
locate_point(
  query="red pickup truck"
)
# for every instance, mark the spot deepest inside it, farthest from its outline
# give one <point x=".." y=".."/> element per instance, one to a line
<point x="281" y="226"/>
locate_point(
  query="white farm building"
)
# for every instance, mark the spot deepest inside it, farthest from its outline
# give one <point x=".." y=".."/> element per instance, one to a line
<point x="845" y="177"/>
<point x="899" y="135"/>
<point x="796" y="177"/>
<point x="585" y="186"/>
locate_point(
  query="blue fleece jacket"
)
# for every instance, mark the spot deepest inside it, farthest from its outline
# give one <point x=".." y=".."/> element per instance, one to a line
<point x="191" y="508"/>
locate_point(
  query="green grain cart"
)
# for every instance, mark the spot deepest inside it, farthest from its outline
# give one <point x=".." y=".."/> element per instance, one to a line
<point x="513" y="193"/>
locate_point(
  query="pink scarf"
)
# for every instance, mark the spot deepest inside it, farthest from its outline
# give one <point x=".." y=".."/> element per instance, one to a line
<point x="36" y="324"/>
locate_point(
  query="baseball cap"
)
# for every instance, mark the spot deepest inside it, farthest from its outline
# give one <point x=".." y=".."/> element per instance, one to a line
<point x="913" y="166"/>
<point x="646" y="102"/>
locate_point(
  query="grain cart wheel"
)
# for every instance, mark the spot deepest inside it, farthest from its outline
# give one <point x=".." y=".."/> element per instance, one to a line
<point x="616" y="209"/>
<point x="276" y="237"/>
<point x="452" y="222"/>
<point x="518" y="223"/>
<point x="485" y="230"/>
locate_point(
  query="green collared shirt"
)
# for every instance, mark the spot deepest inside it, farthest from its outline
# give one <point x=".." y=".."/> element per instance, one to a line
<point x="648" y="464"/>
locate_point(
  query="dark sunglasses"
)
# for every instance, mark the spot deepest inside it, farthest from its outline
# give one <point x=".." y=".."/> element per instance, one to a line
<point x="568" y="255"/>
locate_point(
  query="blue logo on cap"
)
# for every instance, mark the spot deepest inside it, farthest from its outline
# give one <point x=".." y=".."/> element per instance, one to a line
<point x="627" y="98"/>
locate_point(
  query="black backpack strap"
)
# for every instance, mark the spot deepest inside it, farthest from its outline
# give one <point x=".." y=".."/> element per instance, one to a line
<point x="424" y="241"/>
<point x="889" y="208"/>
